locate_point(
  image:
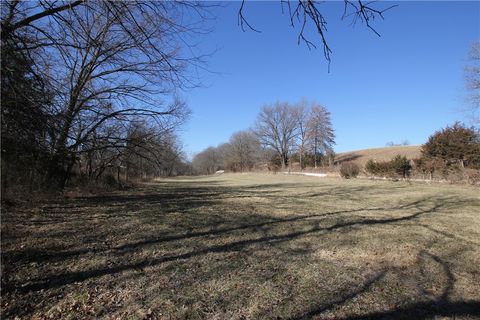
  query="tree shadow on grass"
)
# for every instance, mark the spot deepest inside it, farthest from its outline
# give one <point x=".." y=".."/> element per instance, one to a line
<point x="187" y="199"/>
<point x="425" y="310"/>
<point x="436" y="306"/>
<point x="72" y="277"/>
<point x="56" y="254"/>
<point x="364" y="287"/>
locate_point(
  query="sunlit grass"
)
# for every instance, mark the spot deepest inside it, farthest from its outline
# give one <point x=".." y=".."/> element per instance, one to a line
<point x="247" y="247"/>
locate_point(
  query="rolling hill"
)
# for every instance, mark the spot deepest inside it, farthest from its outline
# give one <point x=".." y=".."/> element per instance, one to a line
<point x="360" y="157"/>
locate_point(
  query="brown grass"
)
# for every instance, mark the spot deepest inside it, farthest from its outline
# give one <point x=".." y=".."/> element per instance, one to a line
<point x="247" y="247"/>
<point x="360" y="157"/>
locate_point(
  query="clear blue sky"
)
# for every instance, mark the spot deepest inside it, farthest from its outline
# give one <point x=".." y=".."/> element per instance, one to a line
<point x="404" y="85"/>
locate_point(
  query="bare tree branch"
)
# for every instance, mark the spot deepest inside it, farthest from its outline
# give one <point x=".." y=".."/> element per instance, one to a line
<point x="306" y="12"/>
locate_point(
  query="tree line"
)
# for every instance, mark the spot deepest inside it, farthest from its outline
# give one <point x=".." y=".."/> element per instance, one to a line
<point x="283" y="133"/>
<point x="89" y="89"/>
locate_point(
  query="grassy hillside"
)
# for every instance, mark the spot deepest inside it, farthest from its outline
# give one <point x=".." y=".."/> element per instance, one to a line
<point x="380" y="154"/>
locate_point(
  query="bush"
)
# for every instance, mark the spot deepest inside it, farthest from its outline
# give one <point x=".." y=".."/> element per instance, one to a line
<point x="424" y="166"/>
<point x="381" y="168"/>
<point x="398" y="166"/>
<point x="473" y="176"/>
<point x="371" y="167"/>
<point x="349" y="170"/>
<point x="456" y="145"/>
<point x="274" y="163"/>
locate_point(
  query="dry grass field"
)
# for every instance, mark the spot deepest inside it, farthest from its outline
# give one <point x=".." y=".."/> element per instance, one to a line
<point x="247" y="247"/>
<point x="361" y="157"/>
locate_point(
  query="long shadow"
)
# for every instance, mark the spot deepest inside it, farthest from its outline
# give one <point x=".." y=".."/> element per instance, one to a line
<point x="425" y="310"/>
<point x="67" y="278"/>
<point x="347" y="157"/>
<point x="254" y="225"/>
<point x="175" y="200"/>
<point x="32" y="255"/>
<point x="349" y="296"/>
<point x="450" y="235"/>
<point x="441" y="306"/>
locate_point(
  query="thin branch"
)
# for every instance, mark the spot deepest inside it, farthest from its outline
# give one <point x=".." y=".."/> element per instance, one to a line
<point x="8" y="29"/>
<point x="242" y="21"/>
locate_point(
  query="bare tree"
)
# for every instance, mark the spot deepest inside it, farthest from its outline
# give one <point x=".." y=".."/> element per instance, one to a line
<point x="404" y="142"/>
<point x="472" y="81"/>
<point x="106" y="62"/>
<point x="302" y="113"/>
<point x="321" y="134"/>
<point x="208" y="161"/>
<point x="149" y="154"/>
<point x="12" y="20"/>
<point x="276" y="128"/>
<point x="307" y="13"/>
<point x="242" y="152"/>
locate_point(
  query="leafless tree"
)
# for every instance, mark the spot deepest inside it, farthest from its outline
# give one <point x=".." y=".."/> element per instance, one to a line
<point x="17" y="15"/>
<point x="242" y="152"/>
<point x="276" y="128"/>
<point x="106" y="62"/>
<point x="472" y="81"/>
<point x="208" y="161"/>
<point x="394" y="144"/>
<point x="302" y="114"/>
<point x="308" y="13"/>
<point x="321" y="134"/>
<point x="130" y="150"/>
<point x="149" y="154"/>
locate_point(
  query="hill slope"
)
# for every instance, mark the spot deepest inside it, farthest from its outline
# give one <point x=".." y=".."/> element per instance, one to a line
<point x="360" y="157"/>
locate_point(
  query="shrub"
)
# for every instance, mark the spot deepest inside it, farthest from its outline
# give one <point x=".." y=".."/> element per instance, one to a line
<point x="424" y="166"/>
<point x="456" y="145"/>
<point x="381" y="168"/>
<point x="473" y="176"/>
<point x="400" y="165"/>
<point x="371" y="167"/>
<point x="437" y="168"/>
<point x="274" y="163"/>
<point x="349" y="170"/>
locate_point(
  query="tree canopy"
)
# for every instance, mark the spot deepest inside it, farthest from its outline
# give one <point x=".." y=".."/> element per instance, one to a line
<point x="454" y="144"/>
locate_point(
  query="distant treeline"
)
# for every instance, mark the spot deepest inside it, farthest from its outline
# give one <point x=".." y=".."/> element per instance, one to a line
<point x="283" y="133"/>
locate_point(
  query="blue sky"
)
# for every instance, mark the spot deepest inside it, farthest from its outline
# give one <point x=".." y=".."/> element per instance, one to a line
<point x="403" y="85"/>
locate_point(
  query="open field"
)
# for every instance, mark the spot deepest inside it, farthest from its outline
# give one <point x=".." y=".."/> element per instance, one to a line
<point x="361" y="157"/>
<point x="247" y="247"/>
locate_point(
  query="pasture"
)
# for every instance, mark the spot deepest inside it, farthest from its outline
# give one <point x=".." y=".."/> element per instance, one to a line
<point x="247" y="246"/>
<point x="360" y="157"/>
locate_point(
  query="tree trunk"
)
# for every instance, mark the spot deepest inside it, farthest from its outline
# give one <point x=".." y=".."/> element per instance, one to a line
<point x="67" y="174"/>
<point x="301" y="159"/>
<point x="284" y="161"/>
<point x="56" y="175"/>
